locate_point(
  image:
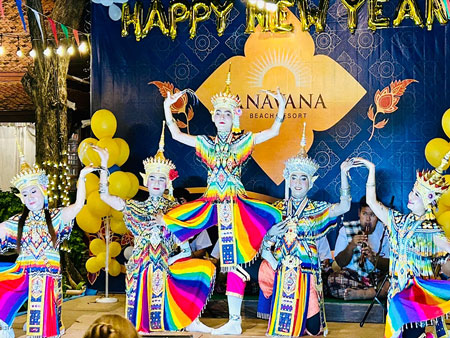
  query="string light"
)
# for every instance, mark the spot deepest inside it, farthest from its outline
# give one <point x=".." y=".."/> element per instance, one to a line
<point x="83" y="47"/>
<point x="32" y="53"/>
<point x="19" y="51"/>
<point x="60" y="51"/>
<point x="2" y="49"/>
<point x="70" y="50"/>
<point x="48" y="52"/>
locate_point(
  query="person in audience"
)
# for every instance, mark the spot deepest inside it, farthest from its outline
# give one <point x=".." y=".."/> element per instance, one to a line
<point x="111" y="326"/>
<point x="361" y="257"/>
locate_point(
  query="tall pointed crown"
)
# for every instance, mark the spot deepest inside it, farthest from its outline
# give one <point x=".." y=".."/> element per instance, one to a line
<point x="431" y="184"/>
<point x="301" y="162"/>
<point x="225" y="99"/>
<point x="29" y="176"/>
<point x="159" y="164"/>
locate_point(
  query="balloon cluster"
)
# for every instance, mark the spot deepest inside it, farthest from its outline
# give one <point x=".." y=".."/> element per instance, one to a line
<point x="178" y="11"/>
<point x="98" y="261"/>
<point x="435" y="151"/>
<point x="122" y="184"/>
<point x="114" y="11"/>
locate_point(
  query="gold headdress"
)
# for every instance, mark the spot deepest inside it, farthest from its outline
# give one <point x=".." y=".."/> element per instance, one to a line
<point x="30" y="176"/>
<point x="159" y="164"/>
<point x="431" y="185"/>
<point x="300" y="163"/>
<point x="226" y="100"/>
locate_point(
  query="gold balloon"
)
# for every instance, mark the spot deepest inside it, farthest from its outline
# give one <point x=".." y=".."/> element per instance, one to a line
<point x="118" y="226"/>
<point x="97" y="245"/>
<point x="92" y="265"/>
<point x="137" y="18"/>
<point x="103" y="123"/>
<point x="281" y="17"/>
<point x="87" y="221"/>
<point x="114" y="249"/>
<point x="435" y="151"/>
<point x="134" y="185"/>
<point x="434" y="8"/>
<point x="178" y="12"/>
<point x="375" y="19"/>
<point x="114" y="268"/>
<point x="124" y="151"/>
<point x="96" y="206"/>
<point x="156" y="17"/>
<point x="200" y="11"/>
<point x="446" y="122"/>
<point x="86" y="154"/>
<point x="407" y="9"/>
<point x="352" y="8"/>
<point x="92" y="181"/>
<point x="310" y="16"/>
<point x="113" y="149"/>
<point x="119" y="184"/>
<point x="221" y="11"/>
<point x="256" y="16"/>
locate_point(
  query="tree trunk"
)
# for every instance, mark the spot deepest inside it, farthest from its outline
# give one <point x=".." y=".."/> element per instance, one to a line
<point x="46" y="84"/>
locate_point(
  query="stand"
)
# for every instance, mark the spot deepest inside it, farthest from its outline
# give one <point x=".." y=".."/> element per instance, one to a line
<point x="375" y="300"/>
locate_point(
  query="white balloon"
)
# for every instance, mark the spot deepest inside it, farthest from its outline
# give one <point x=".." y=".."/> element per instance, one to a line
<point x="120" y="1"/>
<point x="107" y="3"/>
<point x="97" y="1"/>
<point x="127" y="252"/>
<point x="114" y="12"/>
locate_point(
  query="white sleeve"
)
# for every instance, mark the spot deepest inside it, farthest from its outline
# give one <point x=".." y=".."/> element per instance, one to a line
<point x="323" y="248"/>
<point x="341" y="242"/>
<point x="202" y="241"/>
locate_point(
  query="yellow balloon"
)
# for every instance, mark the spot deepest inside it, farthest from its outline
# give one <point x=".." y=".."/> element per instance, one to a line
<point x="91" y="183"/>
<point x="86" y="154"/>
<point x="441" y="208"/>
<point x="124" y="151"/>
<point x="114" y="268"/>
<point x="92" y="265"/>
<point x="97" y="245"/>
<point x="114" y="249"/>
<point x="435" y="151"/>
<point x="87" y="221"/>
<point x="119" y="184"/>
<point x="444" y="220"/>
<point x="103" y="123"/>
<point x="96" y="206"/>
<point x="444" y="200"/>
<point x="116" y="213"/>
<point x="101" y="259"/>
<point x="113" y="149"/>
<point x="446" y="122"/>
<point x="118" y="226"/>
<point x="134" y="185"/>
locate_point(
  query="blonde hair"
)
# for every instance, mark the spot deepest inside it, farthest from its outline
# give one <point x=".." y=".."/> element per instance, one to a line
<point x="111" y="326"/>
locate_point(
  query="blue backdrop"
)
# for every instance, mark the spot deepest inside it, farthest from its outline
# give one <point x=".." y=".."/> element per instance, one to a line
<point x="123" y="67"/>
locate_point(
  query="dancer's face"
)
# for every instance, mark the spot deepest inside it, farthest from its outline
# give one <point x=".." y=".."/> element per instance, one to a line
<point x="156" y="184"/>
<point x="223" y="119"/>
<point x="367" y="219"/>
<point x="415" y="203"/>
<point x="299" y="185"/>
<point x="33" y="198"/>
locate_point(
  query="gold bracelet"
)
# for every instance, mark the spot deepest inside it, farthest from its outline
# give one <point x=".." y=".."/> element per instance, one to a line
<point x="171" y="122"/>
<point x="370" y="185"/>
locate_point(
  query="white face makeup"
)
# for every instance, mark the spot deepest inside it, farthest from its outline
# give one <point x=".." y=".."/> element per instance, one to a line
<point x="156" y="184"/>
<point x="223" y="119"/>
<point x="299" y="185"/>
<point x="33" y="198"/>
<point x="415" y="202"/>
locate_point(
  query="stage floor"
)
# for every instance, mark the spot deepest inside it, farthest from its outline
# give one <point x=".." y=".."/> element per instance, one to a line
<point x="79" y="313"/>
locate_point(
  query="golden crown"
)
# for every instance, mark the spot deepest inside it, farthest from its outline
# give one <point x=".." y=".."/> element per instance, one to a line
<point x="29" y="176"/>
<point x="431" y="184"/>
<point x="158" y="163"/>
<point x="226" y="99"/>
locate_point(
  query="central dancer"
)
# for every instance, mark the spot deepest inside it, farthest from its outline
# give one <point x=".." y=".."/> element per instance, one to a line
<point x="242" y="222"/>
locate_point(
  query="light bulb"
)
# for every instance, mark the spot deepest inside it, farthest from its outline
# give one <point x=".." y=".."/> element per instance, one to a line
<point x="271" y="7"/>
<point x="19" y="52"/>
<point x="60" y="51"/>
<point x="33" y="53"/>
<point x="70" y="50"/>
<point x="48" y="52"/>
<point x="2" y="50"/>
<point x="260" y="4"/>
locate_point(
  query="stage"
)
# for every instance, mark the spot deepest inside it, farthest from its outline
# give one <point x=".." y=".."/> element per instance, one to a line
<point x="79" y="313"/>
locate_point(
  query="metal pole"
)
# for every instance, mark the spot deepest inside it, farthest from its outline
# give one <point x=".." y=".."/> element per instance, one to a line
<point x="107" y="299"/>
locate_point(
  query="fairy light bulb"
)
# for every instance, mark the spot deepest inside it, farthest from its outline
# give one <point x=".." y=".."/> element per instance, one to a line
<point x="48" y="52"/>
<point x="60" y="51"/>
<point x="83" y="48"/>
<point x="71" y="50"/>
<point x="33" y="53"/>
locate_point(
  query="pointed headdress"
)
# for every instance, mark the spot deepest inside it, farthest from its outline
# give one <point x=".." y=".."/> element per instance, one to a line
<point x="159" y="164"/>
<point x="300" y="163"/>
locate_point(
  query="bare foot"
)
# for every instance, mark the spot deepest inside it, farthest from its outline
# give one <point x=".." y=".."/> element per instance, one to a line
<point x="350" y="294"/>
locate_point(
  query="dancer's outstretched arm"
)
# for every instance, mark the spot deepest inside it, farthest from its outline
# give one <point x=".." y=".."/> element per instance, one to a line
<point x="113" y="201"/>
<point x="275" y="129"/>
<point x="380" y="210"/>
<point x="177" y="134"/>
<point x="185" y="252"/>
<point x="346" y="199"/>
<point x="70" y="212"/>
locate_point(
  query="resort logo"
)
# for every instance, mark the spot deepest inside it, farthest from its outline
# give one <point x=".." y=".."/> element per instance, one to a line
<point x="317" y="89"/>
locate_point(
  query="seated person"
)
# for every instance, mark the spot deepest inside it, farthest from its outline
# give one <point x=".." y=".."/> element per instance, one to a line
<point x="111" y="326"/>
<point x="360" y="263"/>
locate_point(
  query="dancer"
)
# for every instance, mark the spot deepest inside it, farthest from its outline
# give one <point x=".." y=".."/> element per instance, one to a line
<point x="297" y="305"/>
<point x="36" y="235"/>
<point x="414" y="297"/>
<point x="161" y="294"/>
<point x="242" y="222"/>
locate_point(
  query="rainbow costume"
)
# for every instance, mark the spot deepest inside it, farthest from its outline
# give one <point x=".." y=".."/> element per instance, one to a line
<point x="297" y="291"/>
<point x="414" y="298"/>
<point x="161" y="297"/>
<point x="36" y="275"/>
